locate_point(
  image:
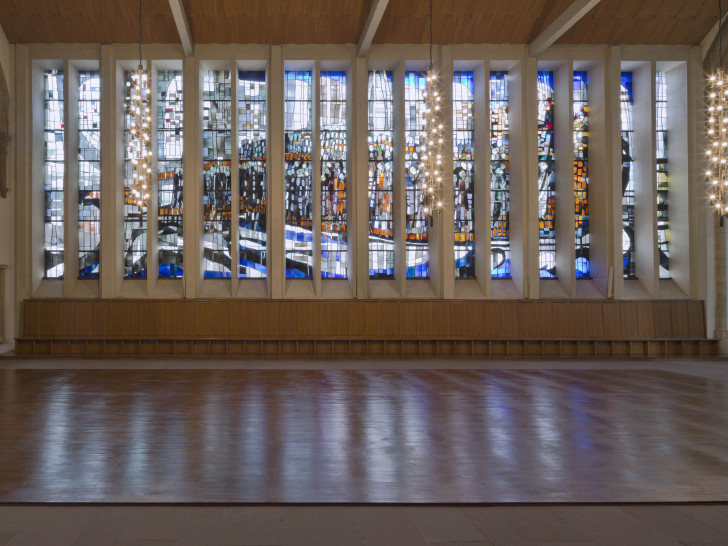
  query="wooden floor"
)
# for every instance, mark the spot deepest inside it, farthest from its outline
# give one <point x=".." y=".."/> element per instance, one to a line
<point x="362" y="435"/>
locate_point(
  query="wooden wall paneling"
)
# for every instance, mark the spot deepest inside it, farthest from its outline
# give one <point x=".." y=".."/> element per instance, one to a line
<point x="577" y="315"/>
<point x="680" y="319"/>
<point x="203" y="319"/>
<point x="543" y="327"/>
<point x="595" y="320"/>
<point x="289" y="318"/>
<point x="561" y="319"/>
<point x="116" y="321"/>
<point x="484" y="319"/>
<point x="663" y="319"/>
<point x="185" y="322"/>
<point x="458" y="319"/>
<point x="339" y="319"/>
<point x="390" y="319"/>
<point x="628" y="319"/>
<point x="67" y="313"/>
<point x="646" y="318"/>
<point x="526" y="320"/>
<point x="149" y="318"/>
<point x="49" y="319"/>
<point x="612" y="313"/>
<point x="425" y="313"/>
<point x="305" y="317"/>
<point x="357" y="320"/>
<point x="509" y="321"/>
<point x="31" y="318"/>
<point x="271" y="319"/>
<point x="100" y="316"/>
<point x="237" y="327"/>
<point x="442" y="328"/>
<point x="169" y="318"/>
<point x="407" y="319"/>
<point x="220" y="318"/>
<point x="372" y="319"/>
<point x="696" y="318"/>
<point x="84" y="320"/>
<point x="253" y="325"/>
<point x="322" y="318"/>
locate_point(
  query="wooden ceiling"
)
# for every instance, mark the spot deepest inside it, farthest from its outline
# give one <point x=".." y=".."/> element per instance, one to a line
<point x="667" y="22"/>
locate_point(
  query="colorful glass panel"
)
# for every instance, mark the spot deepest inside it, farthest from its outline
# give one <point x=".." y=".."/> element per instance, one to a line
<point x="217" y="185"/>
<point x="626" y="106"/>
<point x="546" y="180"/>
<point x="170" y="146"/>
<point x="663" y="177"/>
<point x="500" y="246"/>
<point x="333" y="175"/>
<point x="297" y="127"/>
<point x="89" y="173"/>
<point x="416" y="245"/>
<point x="54" y="172"/>
<point x="581" y="174"/>
<point x="252" y="126"/>
<point x="381" y="134"/>
<point x="463" y="140"/>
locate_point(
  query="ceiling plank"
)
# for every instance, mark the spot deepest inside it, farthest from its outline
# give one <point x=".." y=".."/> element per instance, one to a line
<point x="561" y="24"/>
<point x="183" y="26"/>
<point x="370" y="27"/>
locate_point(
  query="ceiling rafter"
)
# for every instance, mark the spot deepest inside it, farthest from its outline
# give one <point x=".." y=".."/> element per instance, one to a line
<point x="370" y="27"/>
<point x="183" y="26"/>
<point x="568" y="18"/>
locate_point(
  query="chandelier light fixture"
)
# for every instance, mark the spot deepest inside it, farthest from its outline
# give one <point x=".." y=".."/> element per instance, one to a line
<point x="431" y="148"/>
<point x="140" y="143"/>
<point x="717" y="126"/>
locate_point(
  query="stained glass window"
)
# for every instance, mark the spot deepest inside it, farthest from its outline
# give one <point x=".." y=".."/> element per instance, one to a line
<point x="417" y="251"/>
<point x="216" y="158"/>
<point x="663" y="176"/>
<point x="463" y="140"/>
<point x="546" y="183"/>
<point x="252" y="124"/>
<point x="135" y="217"/>
<point x="581" y="174"/>
<point x="500" y="246"/>
<point x="89" y="173"/>
<point x="54" y="173"/>
<point x="381" y="132"/>
<point x="333" y="175"/>
<point x="297" y="127"/>
<point x="170" y="145"/>
<point x="626" y="103"/>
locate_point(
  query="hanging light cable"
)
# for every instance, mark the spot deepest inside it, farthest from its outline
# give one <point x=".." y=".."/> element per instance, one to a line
<point x="140" y="143"/>
<point x="717" y="127"/>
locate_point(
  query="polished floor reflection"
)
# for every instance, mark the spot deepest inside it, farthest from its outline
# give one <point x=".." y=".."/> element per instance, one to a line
<point x="362" y="435"/>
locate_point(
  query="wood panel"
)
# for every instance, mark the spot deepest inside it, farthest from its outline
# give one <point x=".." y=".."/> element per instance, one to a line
<point x="362" y="320"/>
<point x="669" y="22"/>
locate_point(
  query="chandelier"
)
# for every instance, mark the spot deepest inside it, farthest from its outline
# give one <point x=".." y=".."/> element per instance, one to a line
<point x="140" y="143"/>
<point x="433" y="140"/>
<point x="717" y="126"/>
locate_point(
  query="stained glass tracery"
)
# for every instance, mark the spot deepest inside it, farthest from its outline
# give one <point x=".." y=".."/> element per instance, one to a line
<point x="546" y="181"/>
<point x="252" y="126"/>
<point x="463" y="145"/>
<point x="216" y="159"/>
<point x="581" y="174"/>
<point x="54" y="167"/>
<point x="89" y="173"/>
<point x="416" y="244"/>
<point x="170" y="146"/>
<point x="379" y="141"/>
<point x="663" y="176"/>
<point x="333" y="175"/>
<point x="499" y="176"/>
<point x="135" y="217"/>
<point x="297" y="127"/>
<point x="626" y="106"/>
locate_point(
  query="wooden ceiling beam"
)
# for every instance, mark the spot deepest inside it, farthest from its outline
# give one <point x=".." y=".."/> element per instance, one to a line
<point x="370" y="27"/>
<point x="183" y="26"/>
<point x="569" y="17"/>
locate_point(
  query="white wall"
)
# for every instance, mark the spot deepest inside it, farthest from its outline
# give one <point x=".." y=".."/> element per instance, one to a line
<point x="7" y="206"/>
